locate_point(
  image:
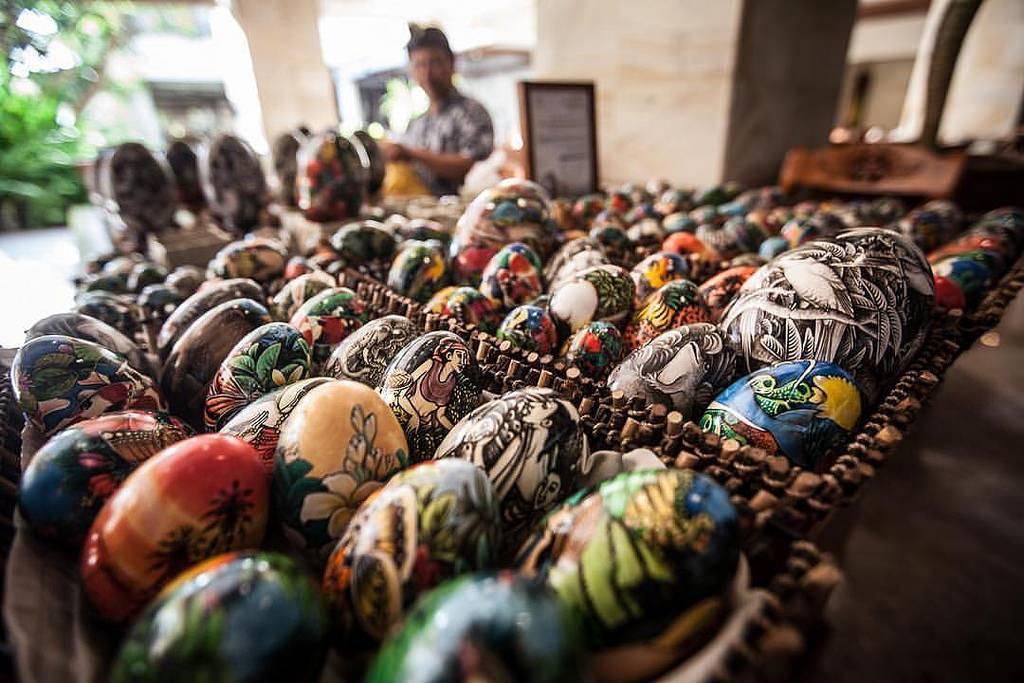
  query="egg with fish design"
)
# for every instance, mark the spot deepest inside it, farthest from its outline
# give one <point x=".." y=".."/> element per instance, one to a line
<point x="645" y="558"/>
<point x="195" y="499"/>
<point x="485" y="627"/>
<point x="530" y="444"/>
<point x="595" y="349"/>
<point x="298" y="291"/>
<point x="800" y="409"/>
<point x="363" y="355"/>
<point x="329" y="317"/>
<point x="430" y="385"/>
<point x="600" y="293"/>
<point x="512" y="276"/>
<point x="79" y="326"/>
<point x="266" y="359"/>
<point x="60" y="380"/>
<point x="429" y="523"/>
<point x="74" y="473"/>
<point x="199" y="303"/>
<point x="672" y="305"/>
<point x="239" y="616"/>
<point x="198" y="354"/>
<point x="419" y="270"/>
<point x="719" y="290"/>
<point x="681" y="369"/>
<point x="338" y="446"/>
<point x="530" y="328"/>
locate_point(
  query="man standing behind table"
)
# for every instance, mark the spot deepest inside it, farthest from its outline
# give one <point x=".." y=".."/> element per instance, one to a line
<point x="444" y="142"/>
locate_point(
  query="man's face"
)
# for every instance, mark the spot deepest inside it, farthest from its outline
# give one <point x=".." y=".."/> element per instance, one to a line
<point x="432" y="69"/>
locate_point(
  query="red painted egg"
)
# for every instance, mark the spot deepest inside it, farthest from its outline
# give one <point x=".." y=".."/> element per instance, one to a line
<point x="948" y="294"/>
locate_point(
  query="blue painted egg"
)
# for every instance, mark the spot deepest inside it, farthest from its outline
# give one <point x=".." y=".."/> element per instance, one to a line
<point x="801" y="409"/>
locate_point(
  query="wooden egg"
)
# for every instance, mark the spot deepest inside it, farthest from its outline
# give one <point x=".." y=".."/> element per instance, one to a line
<point x="116" y="311"/>
<point x="235" y="184"/>
<point x="363" y="242"/>
<point x="530" y="328"/>
<point x="512" y="276"/>
<point x="298" y="291"/>
<point x="672" y="305"/>
<point x="655" y="271"/>
<point x="200" y="497"/>
<point x="257" y="258"/>
<point x="599" y="293"/>
<point x="363" y="355"/>
<point x="419" y="270"/>
<point x="467" y="305"/>
<point x="595" y="349"/>
<point x="79" y="326"/>
<point x="199" y="303"/>
<point x="328" y="318"/>
<point x="719" y="290"/>
<point x="332" y="178"/>
<point x="571" y="258"/>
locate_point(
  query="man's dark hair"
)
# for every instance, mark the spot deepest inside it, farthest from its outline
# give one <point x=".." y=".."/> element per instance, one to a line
<point x="425" y="37"/>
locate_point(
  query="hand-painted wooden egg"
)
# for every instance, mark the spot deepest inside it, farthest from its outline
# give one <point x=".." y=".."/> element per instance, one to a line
<point x="772" y="247"/>
<point x="429" y="523"/>
<point x="363" y="242"/>
<point x="437" y="302"/>
<point x="684" y="243"/>
<point x="862" y="301"/>
<point x="285" y="153"/>
<point x="586" y="207"/>
<point x="678" y="222"/>
<point x="234" y="182"/>
<point x="184" y="165"/>
<point x="734" y="237"/>
<point x="1001" y="250"/>
<point x="719" y="290"/>
<point x="674" y="200"/>
<point x="363" y="355"/>
<point x="75" y="472"/>
<point x="266" y="359"/>
<point x="111" y="309"/>
<point x="530" y="328"/>
<point x="656" y="270"/>
<point x="78" y="326"/>
<point x="423" y="229"/>
<point x="259" y="423"/>
<point x="329" y="317"/>
<point x="197" y="355"/>
<point x="514" y="210"/>
<point x="298" y="291"/>
<point x="430" y="385"/>
<point x="572" y="259"/>
<point x="1006" y="222"/>
<point x="948" y="294"/>
<point x="598" y="293"/>
<point x="928" y="229"/>
<point x="610" y="234"/>
<point x="200" y="497"/>
<point x="512" y="276"/>
<point x="376" y="163"/>
<point x="804" y="229"/>
<point x="250" y="616"/>
<point x="185" y="280"/>
<point x="332" y="178"/>
<point x="596" y="348"/>
<point x="675" y="303"/>
<point x="296" y="266"/>
<point x="338" y="446"/>
<point x="140" y="189"/>
<point x="257" y="258"/>
<point x="472" y="307"/>
<point x="800" y="409"/>
<point x="680" y="369"/>
<point x="60" y="380"/>
<point x="144" y="274"/>
<point x="646" y="556"/>
<point x="157" y="302"/>
<point x="419" y="270"/>
<point x="647" y="232"/>
<point x="114" y="284"/>
<point x="970" y="274"/>
<point x="530" y="444"/>
<point x="484" y="627"/>
<point x="199" y="303"/>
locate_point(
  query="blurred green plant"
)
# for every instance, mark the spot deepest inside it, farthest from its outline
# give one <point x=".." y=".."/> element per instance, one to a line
<point x="54" y="60"/>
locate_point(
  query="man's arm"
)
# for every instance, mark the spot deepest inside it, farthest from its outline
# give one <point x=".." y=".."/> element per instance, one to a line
<point x="448" y="165"/>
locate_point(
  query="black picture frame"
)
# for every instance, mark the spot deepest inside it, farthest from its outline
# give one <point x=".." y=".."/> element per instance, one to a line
<point x="559" y="129"/>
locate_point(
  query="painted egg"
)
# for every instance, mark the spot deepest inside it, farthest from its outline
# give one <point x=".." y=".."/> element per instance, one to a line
<point x="512" y="276"/>
<point x="681" y="369"/>
<point x="734" y="237"/>
<point x="258" y="617"/>
<point x="266" y="359"/>
<point x="471" y="307"/>
<point x="927" y="228"/>
<point x="598" y="293"/>
<point x="586" y="207"/>
<point x="329" y="317"/>
<point x="997" y="246"/>
<point x="197" y="355"/>
<point x="111" y="309"/>
<point x="376" y="163"/>
<point x="484" y="626"/>
<point x="647" y="555"/>
<point x="948" y="294"/>
<point x="719" y="290"/>
<point x="530" y="328"/>
<point x="674" y="200"/>
<point x="113" y="284"/>
<point x="285" y="153"/>
<point x="596" y="348"/>
<point x="259" y="423"/>
<point x="78" y="326"/>
<point x="332" y="178"/>
<point x="140" y="190"/>
<point x="59" y="380"/>
<point x="430" y="385"/>
<point x="235" y="184"/>
<point x="428" y="524"/>
<point x="800" y="409"/>
<point x="772" y="247"/>
<point x="423" y="229"/>
<point x="363" y="355"/>
<point x="654" y="271"/>
<point x="970" y="274"/>
<point x="144" y="274"/>
<point x="862" y="301"/>
<point x="804" y="229"/>
<point x="610" y="234"/>
<point x="75" y="472"/>
<point x="298" y="291"/>
<point x="674" y="304"/>
<point x="157" y="302"/>
<point x="257" y="258"/>
<point x="201" y="302"/>
<point x="437" y="302"/>
<point x="576" y="264"/>
<point x="514" y="210"/>
<point x="200" y="497"/>
<point x="338" y="446"/>
<point x="684" y="243"/>
<point x="556" y="266"/>
<point x="363" y="242"/>
<point x="419" y="270"/>
<point x="185" y="280"/>
<point x="1006" y="222"/>
<point x="184" y="164"/>
<point x="678" y="222"/>
<point x="296" y="266"/>
<point x="530" y="444"/>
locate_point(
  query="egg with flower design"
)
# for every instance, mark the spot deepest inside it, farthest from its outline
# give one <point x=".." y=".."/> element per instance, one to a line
<point x="468" y="305"/>
<point x="328" y="318"/>
<point x="599" y="293"/>
<point x="79" y="326"/>
<point x="595" y="349"/>
<point x="512" y="276"/>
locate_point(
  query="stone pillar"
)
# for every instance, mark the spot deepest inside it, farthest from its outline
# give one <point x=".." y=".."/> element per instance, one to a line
<point x="293" y="82"/>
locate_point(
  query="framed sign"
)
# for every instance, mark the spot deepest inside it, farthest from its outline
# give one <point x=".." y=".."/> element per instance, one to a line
<point x="559" y="135"/>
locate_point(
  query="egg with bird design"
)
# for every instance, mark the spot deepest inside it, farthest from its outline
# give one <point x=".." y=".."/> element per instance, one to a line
<point x="655" y="271"/>
<point x="672" y="305"/>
